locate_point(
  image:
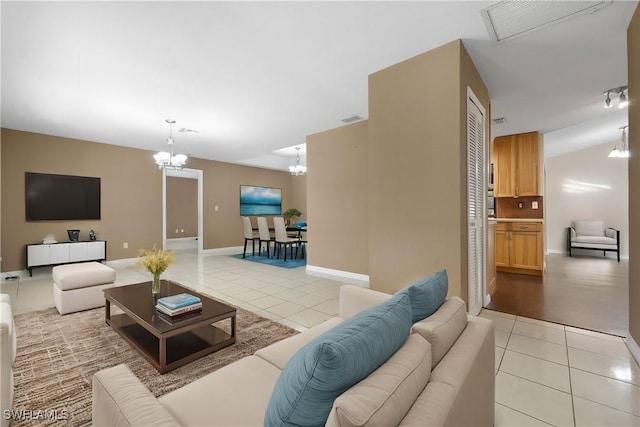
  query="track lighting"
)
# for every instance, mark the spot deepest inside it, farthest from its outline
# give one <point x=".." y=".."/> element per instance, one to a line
<point x="623" y="101"/>
<point x="607" y="102"/>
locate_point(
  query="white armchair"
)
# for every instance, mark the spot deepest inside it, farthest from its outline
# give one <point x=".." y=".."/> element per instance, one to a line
<point x="593" y="235"/>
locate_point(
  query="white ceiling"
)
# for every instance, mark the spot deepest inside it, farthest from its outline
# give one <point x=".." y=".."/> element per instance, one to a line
<point x="254" y="78"/>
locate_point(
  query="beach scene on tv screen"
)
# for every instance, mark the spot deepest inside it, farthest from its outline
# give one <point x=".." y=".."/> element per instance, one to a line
<point x="260" y="200"/>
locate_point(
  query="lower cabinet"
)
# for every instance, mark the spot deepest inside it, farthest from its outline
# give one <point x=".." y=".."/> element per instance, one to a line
<point x="519" y="248"/>
<point x="41" y="255"/>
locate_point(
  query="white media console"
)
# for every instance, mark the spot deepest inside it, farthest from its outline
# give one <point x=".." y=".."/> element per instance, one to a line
<point x="41" y="255"/>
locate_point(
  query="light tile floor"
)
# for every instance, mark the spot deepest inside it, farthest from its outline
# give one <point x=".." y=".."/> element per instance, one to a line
<point x="546" y="374"/>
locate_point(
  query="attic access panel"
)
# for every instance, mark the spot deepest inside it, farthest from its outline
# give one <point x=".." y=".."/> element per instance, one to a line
<point x="509" y="19"/>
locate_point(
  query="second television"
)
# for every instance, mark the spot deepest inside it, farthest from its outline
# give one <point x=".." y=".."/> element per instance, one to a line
<point x="260" y="200"/>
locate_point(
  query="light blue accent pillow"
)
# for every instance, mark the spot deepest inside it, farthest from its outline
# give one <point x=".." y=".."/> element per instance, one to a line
<point x="427" y="294"/>
<point x="333" y="362"/>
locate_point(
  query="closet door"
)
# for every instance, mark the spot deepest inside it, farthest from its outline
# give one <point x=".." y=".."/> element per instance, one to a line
<point x="476" y="202"/>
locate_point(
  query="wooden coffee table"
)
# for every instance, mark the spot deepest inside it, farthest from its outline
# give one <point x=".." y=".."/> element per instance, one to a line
<point x="164" y="343"/>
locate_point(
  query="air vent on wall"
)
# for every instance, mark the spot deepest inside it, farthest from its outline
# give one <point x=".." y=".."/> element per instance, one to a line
<point x="352" y="118"/>
<point x="499" y="120"/>
<point x="508" y="19"/>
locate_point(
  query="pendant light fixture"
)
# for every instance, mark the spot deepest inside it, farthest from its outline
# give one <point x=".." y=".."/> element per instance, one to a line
<point x="621" y="150"/>
<point x="298" y="169"/>
<point x="167" y="160"/>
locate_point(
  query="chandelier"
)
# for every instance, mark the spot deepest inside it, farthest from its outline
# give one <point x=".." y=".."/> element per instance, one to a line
<point x="298" y="169"/>
<point x="167" y="160"/>
<point x="622" y="149"/>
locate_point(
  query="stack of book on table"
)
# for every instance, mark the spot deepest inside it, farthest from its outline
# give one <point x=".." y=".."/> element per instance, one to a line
<point x="179" y="305"/>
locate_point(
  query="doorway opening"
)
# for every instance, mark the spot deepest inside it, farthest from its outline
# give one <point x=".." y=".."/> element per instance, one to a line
<point x="182" y="239"/>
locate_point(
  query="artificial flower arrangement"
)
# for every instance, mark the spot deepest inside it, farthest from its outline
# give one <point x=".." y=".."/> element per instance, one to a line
<point x="155" y="261"/>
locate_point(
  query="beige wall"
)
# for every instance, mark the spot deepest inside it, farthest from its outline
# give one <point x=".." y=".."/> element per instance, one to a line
<point x="131" y="194"/>
<point x="633" y="58"/>
<point x="417" y="168"/>
<point x="298" y="196"/>
<point x="337" y="198"/>
<point x="182" y="207"/>
<point x="586" y="184"/>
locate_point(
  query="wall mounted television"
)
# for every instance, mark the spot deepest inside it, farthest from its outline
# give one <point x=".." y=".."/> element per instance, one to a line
<point x="260" y="200"/>
<point x="61" y="197"/>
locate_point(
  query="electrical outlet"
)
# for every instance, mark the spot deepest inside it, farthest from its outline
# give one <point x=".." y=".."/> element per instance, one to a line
<point x="176" y="231"/>
<point x="534" y="205"/>
<point x="182" y="230"/>
<point x="125" y="245"/>
<point x="520" y="205"/>
<point x="216" y="208"/>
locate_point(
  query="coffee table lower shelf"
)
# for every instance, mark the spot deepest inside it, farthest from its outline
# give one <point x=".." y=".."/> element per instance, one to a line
<point x="171" y="352"/>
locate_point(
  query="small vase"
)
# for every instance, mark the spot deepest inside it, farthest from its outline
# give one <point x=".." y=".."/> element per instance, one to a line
<point x="155" y="285"/>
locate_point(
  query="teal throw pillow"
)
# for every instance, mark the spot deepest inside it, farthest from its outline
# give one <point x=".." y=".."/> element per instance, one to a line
<point x="427" y="294"/>
<point x="333" y="362"/>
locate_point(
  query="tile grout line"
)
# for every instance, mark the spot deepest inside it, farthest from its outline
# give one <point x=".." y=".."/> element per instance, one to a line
<point x="573" y="406"/>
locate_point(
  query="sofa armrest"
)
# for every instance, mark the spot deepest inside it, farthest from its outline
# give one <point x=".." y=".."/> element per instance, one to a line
<point x="612" y="233"/>
<point x="354" y="299"/>
<point x="120" y="399"/>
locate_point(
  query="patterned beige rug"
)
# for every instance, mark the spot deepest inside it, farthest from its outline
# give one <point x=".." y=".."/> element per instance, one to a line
<point x="58" y="355"/>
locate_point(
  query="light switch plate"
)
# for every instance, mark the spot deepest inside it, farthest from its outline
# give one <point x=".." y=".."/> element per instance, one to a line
<point x="534" y="205"/>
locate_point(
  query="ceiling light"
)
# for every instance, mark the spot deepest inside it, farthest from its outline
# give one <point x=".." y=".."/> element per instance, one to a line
<point x="621" y="150"/>
<point x="167" y="160"/>
<point x="298" y="169"/>
<point x="623" y="101"/>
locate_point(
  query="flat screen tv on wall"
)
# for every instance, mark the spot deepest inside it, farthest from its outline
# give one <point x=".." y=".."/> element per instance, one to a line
<point x="260" y="200"/>
<point x="61" y="197"/>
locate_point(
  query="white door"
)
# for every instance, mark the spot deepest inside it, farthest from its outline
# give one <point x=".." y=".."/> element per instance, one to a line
<point x="476" y="195"/>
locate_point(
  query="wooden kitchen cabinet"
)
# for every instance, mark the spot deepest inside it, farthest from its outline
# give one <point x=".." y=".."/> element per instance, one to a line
<point x="517" y="165"/>
<point x="519" y="248"/>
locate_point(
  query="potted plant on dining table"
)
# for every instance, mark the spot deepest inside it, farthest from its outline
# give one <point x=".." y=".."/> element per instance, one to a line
<point x="291" y="213"/>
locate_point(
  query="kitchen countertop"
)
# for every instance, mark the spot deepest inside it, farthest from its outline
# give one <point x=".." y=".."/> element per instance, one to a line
<point x="519" y="219"/>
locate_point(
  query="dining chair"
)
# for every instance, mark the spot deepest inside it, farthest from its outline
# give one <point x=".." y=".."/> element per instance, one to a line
<point x="249" y="235"/>
<point x="265" y="235"/>
<point x="282" y="239"/>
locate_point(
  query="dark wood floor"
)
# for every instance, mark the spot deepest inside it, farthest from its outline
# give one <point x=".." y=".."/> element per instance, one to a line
<point x="584" y="291"/>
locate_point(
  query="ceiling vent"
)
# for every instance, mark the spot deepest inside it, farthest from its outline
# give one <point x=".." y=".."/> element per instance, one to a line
<point x="352" y="118"/>
<point x="508" y="19"/>
<point x="499" y="121"/>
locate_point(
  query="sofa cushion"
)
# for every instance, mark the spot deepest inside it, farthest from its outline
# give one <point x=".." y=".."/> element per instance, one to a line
<point x="82" y="275"/>
<point x="336" y="360"/>
<point x="427" y="294"/>
<point x="279" y="353"/>
<point x="595" y="240"/>
<point x="234" y="395"/>
<point x="443" y="328"/>
<point x="384" y="397"/>
<point x="589" y="228"/>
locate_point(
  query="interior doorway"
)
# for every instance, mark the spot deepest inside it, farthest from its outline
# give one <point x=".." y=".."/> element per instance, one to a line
<point x="195" y="174"/>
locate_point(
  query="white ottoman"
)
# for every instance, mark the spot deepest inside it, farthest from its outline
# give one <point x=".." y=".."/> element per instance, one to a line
<point x="78" y="287"/>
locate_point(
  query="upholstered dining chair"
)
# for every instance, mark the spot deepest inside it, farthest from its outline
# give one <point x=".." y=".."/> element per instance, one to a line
<point x="265" y="235"/>
<point x="282" y="239"/>
<point x="249" y="236"/>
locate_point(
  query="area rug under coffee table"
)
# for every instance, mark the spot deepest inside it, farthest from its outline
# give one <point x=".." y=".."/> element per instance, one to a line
<point x="58" y="355"/>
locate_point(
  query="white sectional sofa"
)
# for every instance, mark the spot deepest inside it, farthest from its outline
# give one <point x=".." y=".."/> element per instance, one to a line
<point x="7" y="357"/>
<point x="442" y="375"/>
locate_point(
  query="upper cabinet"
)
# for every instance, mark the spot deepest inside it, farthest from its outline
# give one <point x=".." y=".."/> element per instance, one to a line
<point x="517" y="165"/>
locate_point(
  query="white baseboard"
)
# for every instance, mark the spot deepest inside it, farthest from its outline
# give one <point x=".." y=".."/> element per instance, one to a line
<point x="231" y="250"/>
<point x="633" y="348"/>
<point x="343" y="276"/>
